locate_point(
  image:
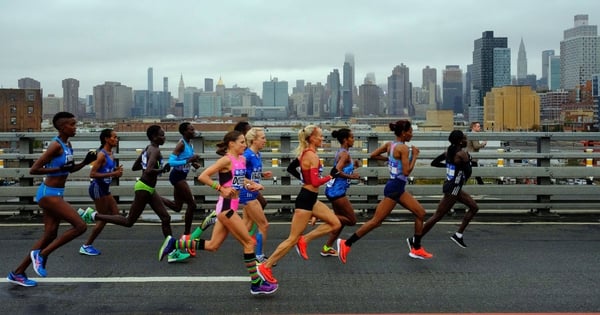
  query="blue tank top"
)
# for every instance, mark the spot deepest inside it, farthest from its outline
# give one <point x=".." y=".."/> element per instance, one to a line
<point x="109" y="166"/>
<point x="253" y="171"/>
<point x="458" y="173"/>
<point x="145" y="160"/>
<point x="65" y="159"/>
<point x="394" y="165"/>
<point x="179" y="162"/>
<point x="337" y="186"/>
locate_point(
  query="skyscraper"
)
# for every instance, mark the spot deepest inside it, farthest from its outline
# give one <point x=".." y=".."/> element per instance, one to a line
<point x="430" y="85"/>
<point x="181" y="91"/>
<point x="482" y="76"/>
<point x="554" y="73"/>
<point x="71" y="97"/>
<point x="208" y="85"/>
<point x="150" y="80"/>
<point x="502" y="68"/>
<point x="347" y="90"/>
<point x="369" y="98"/>
<point x="453" y="88"/>
<point x="522" y="63"/>
<point x="334" y="93"/>
<point x="579" y="53"/>
<point x="349" y="58"/>
<point x="399" y="92"/>
<point x="275" y="93"/>
<point x="299" y="88"/>
<point x="546" y="54"/>
<point x="112" y="100"/>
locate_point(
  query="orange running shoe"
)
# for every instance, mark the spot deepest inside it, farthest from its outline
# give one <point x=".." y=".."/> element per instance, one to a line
<point x="301" y="248"/>
<point x="420" y="253"/>
<point x="343" y="250"/>
<point x="265" y="273"/>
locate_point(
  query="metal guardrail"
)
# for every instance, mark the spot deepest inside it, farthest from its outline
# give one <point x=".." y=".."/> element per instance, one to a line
<point x="538" y="187"/>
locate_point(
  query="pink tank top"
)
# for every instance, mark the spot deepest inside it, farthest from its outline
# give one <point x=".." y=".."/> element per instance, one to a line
<point x="233" y="179"/>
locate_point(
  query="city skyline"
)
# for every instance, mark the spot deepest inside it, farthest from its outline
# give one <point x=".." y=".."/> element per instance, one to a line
<point x="249" y="42"/>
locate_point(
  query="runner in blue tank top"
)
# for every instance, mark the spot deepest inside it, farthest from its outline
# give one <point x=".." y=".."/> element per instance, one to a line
<point x="335" y="189"/>
<point x="102" y="173"/>
<point x="401" y="161"/>
<point x="253" y="211"/>
<point x="181" y="159"/>
<point x="56" y="163"/>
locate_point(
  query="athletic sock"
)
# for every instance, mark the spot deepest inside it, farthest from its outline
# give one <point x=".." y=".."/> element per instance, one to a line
<point x="196" y="234"/>
<point x="353" y="238"/>
<point x="417" y="241"/>
<point x="250" y="262"/>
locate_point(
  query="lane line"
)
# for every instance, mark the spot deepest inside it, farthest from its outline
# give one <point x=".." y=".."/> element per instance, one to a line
<point x="139" y="279"/>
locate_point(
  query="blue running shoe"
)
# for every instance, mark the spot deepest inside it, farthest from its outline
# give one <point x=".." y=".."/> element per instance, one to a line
<point x="88" y="250"/>
<point x="20" y="279"/>
<point x="39" y="263"/>
<point x="167" y="247"/>
<point x="263" y="288"/>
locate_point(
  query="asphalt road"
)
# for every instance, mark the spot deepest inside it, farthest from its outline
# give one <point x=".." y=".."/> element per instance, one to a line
<point x="521" y="267"/>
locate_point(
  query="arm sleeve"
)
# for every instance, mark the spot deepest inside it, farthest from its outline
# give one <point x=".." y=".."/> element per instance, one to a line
<point x="316" y="180"/>
<point x="174" y="160"/>
<point x="293" y="168"/>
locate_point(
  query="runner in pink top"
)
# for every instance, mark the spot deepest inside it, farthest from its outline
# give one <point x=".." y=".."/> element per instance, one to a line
<point x="232" y="179"/>
<point x="231" y="171"/>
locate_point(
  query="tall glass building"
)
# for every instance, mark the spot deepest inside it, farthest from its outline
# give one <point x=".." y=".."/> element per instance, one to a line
<point x="579" y="53"/>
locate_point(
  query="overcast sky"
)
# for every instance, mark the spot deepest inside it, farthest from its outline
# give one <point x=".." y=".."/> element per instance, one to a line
<point x="248" y="42"/>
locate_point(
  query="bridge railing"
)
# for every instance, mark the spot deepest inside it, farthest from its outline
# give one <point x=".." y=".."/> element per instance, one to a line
<point x="541" y="172"/>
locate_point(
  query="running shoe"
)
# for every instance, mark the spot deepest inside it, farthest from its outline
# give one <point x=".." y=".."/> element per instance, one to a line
<point x="458" y="240"/>
<point x="266" y="273"/>
<point x="263" y="288"/>
<point x="20" y="279"/>
<point x="88" y="250"/>
<point x="177" y="256"/>
<point x="191" y="250"/>
<point x="343" y="250"/>
<point x="420" y="253"/>
<point x="328" y="251"/>
<point x="39" y="263"/>
<point x="211" y="219"/>
<point x="87" y="215"/>
<point x="167" y="247"/>
<point x="301" y="248"/>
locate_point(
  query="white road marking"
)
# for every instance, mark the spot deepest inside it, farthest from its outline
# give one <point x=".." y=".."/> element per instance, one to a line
<point x="139" y="279"/>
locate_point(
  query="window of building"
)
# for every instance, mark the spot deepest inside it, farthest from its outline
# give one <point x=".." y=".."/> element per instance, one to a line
<point x="29" y="109"/>
<point x="31" y="96"/>
<point x="13" y="109"/>
<point x="12" y="97"/>
<point x="13" y="120"/>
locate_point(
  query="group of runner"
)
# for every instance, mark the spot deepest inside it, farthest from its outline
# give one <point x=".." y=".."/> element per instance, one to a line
<point x="239" y="172"/>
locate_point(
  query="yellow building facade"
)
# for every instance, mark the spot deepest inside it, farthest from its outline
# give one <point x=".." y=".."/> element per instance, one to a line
<point x="511" y="108"/>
